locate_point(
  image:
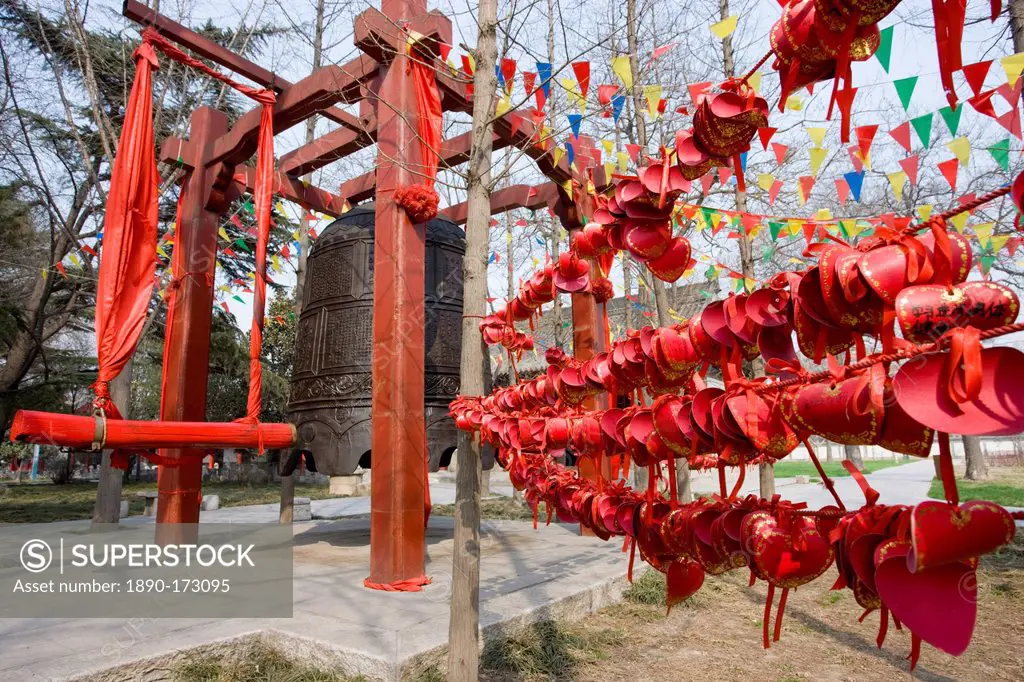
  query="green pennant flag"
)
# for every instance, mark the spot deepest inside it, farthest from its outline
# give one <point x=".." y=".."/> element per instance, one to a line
<point x="923" y="126"/>
<point x="707" y="294"/>
<point x="884" y="51"/>
<point x="739" y="284"/>
<point x="905" y="89"/>
<point x="240" y="243"/>
<point x="238" y="298"/>
<point x="1000" y="151"/>
<point x="248" y="206"/>
<point x="952" y="118"/>
<point x="708" y="217"/>
<point x="986" y="263"/>
<point x="768" y="253"/>
<point x="711" y="272"/>
<point x="775" y="228"/>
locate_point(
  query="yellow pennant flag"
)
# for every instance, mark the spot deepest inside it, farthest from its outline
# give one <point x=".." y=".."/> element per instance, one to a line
<point x="924" y="212"/>
<point x="817" y="135"/>
<point x="223" y="234"/>
<point x="824" y="214"/>
<point x="279" y="206"/>
<point x="817" y="158"/>
<point x="623" y="162"/>
<point x="794" y="103"/>
<point x="796" y="227"/>
<point x="609" y="146"/>
<point x="755" y="81"/>
<point x="609" y="170"/>
<point x="1013" y="65"/>
<point x="652" y="93"/>
<point x="558" y="154"/>
<point x="959" y="222"/>
<point x="765" y="181"/>
<point x="504" y="106"/>
<point x="983" y="231"/>
<point x="620" y="65"/>
<point x="998" y="241"/>
<point x="897" y="180"/>
<point x="850" y="226"/>
<point x="572" y="89"/>
<point x="275" y="263"/>
<point x="961" y="148"/>
<point x="160" y="250"/>
<point x="725" y="27"/>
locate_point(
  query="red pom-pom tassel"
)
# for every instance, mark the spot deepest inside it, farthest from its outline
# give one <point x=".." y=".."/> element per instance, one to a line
<point x="419" y="202"/>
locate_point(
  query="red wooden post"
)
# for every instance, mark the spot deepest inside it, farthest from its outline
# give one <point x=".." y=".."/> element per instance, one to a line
<point x="398" y="428"/>
<point x="189" y="316"/>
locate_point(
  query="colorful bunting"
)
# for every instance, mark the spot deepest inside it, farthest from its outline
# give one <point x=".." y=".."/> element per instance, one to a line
<point x="949" y="171"/>
<point x="952" y="118"/>
<point x="582" y="71"/>
<point x="975" y="75"/>
<point x="923" y="127"/>
<point x="622" y="69"/>
<point x="765" y="134"/>
<point x="901" y="134"/>
<point x="905" y="90"/>
<point x="1000" y="151"/>
<point x="856" y="182"/>
<point x="884" y="51"/>
<point x="961" y="148"/>
<point x="725" y="27"/>
<point x="897" y="180"/>
<point x="909" y="166"/>
<point x="842" y="190"/>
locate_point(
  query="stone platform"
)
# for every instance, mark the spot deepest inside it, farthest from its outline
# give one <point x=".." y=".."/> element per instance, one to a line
<point x="526" y="574"/>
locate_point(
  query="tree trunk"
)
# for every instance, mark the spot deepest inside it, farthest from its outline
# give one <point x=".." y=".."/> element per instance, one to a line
<point x="108" y="494"/>
<point x="464" y="619"/>
<point x="556" y="225"/>
<point x="285" y="510"/>
<point x="661" y="304"/>
<point x="829" y="457"/>
<point x="1016" y="14"/>
<point x="852" y="453"/>
<point x="977" y="469"/>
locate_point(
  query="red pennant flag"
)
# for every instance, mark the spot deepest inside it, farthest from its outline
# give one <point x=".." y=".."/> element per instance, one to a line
<point x="467" y="66"/>
<point x="724" y="174"/>
<point x="842" y="190"/>
<point x="1012" y="244"/>
<point x="286" y="252"/>
<point x="541" y="101"/>
<point x="508" y="72"/>
<point x="975" y="75"/>
<point x="949" y="171"/>
<point x="312" y="233"/>
<point x="662" y="105"/>
<point x="766" y="135"/>
<point x="810" y="232"/>
<point x="61" y="270"/>
<point x="529" y="78"/>
<point x="773" y="193"/>
<point x="855" y="158"/>
<point x="582" y="71"/>
<point x="658" y="51"/>
<point x="901" y="134"/>
<point x="237" y="222"/>
<point x="865" y="136"/>
<point x="909" y="166"/>
<point x="444" y="49"/>
<point x="706" y="181"/>
<point x="982" y="103"/>
<point x="749" y="222"/>
<point x="224" y="306"/>
<point x="89" y="250"/>
<point x="697" y="89"/>
<point x="605" y="93"/>
<point x="634" y="151"/>
<point x="514" y="122"/>
<point x="806" y="184"/>
<point x="1011" y="95"/>
<point x="1011" y="121"/>
<point x="780" y="151"/>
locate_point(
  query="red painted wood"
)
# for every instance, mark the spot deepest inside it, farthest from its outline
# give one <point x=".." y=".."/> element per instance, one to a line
<point x="79" y="432"/>
<point x="187" y="346"/>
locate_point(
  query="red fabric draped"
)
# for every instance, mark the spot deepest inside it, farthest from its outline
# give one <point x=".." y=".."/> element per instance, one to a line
<point x="128" y="263"/>
<point x="262" y="200"/>
<point x="428" y="123"/>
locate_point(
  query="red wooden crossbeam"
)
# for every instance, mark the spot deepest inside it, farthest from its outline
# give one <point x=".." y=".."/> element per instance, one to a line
<point x="82" y="432"/>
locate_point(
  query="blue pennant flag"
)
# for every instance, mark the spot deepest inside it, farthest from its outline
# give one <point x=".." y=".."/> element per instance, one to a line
<point x="494" y="257"/>
<point x="501" y="77"/>
<point x="743" y="162"/>
<point x="544" y="74"/>
<point x="574" y="123"/>
<point x="856" y="181"/>
<point x="570" y="152"/>
<point x="617" y="103"/>
<point x="539" y="240"/>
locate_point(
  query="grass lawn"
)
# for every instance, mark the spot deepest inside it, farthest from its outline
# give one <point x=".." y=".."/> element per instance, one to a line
<point x="1005" y="486"/>
<point x="498" y="508"/>
<point x="787" y="469"/>
<point x="46" y="502"/>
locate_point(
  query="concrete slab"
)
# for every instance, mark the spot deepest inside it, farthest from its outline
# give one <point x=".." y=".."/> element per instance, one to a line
<point x="525" y="575"/>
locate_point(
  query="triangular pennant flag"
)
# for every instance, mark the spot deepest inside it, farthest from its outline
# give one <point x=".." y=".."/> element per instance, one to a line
<point x="604" y="94"/>
<point x="884" y="51"/>
<point x="901" y="134"/>
<point x="842" y="190"/>
<point x="571" y="154"/>
<point x="697" y="90"/>
<point x="725" y="27"/>
<point x="529" y="79"/>
<point x="724" y="174"/>
<point x="766" y="135"/>
<point x="960" y="219"/>
<point x="909" y="166"/>
<point x="765" y="181"/>
<point x="905" y="90"/>
<point x="865" y="136"/>
<point x="1012" y="66"/>
<point x="1000" y="151"/>
<point x="975" y="75"/>
<point x="923" y="127"/>
<point x="623" y="160"/>
<point x="652" y="93"/>
<point x="574" y="124"/>
<point x="659" y="51"/>
<point x="617" y="103"/>
<point x="706" y="181"/>
<point x="622" y="69"/>
<point x="961" y="148"/>
<point x="897" y="180"/>
<point x="557" y="155"/>
<point x="817" y="158"/>
<point x="998" y="241"/>
<point x="508" y="73"/>
<point x="774" y="228"/>
<point x="952" y="118"/>
<point x="1011" y="121"/>
<point x="634" y="152"/>
<point x="983" y="231"/>
<point x="609" y="146"/>
<point x="855" y="157"/>
<point x="817" y="135"/>
<point x="925" y="212"/>
<point x="805" y="183"/>
<point x="754" y="81"/>
<point x="544" y="74"/>
<point x="773" y="193"/>
<point x="582" y="71"/>
<point x="855" y="182"/>
<point x="780" y="152"/>
<point x="949" y="171"/>
<point x="982" y="103"/>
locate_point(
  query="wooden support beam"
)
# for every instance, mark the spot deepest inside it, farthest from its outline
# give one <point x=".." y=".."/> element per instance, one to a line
<point x="204" y="47"/>
<point x="516" y="196"/>
<point x="381" y="37"/>
<point x="293" y="189"/>
<point x="326" y="149"/>
<point x="80" y="432"/>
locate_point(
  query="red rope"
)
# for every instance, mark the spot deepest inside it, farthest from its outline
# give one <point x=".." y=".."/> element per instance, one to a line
<point x="407" y="585"/>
